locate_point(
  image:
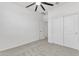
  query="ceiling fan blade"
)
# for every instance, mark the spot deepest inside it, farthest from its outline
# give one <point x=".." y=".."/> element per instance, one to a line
<point x="36" y="7"/>
<point x="46" y="3"/>
<point x="42" y="7"/>
<point x="30" y="5"/>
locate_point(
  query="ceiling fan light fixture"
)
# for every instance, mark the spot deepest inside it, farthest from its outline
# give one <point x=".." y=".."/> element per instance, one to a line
<point x="38" y="3"/>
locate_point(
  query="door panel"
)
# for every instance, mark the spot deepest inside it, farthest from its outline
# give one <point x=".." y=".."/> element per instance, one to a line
<point x="71" y="31"/>
<point x="55" y="31"/>
<point x="76" y="40"/>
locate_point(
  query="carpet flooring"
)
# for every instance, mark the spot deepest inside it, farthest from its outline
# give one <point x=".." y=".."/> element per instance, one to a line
<point x="40" y="48"/>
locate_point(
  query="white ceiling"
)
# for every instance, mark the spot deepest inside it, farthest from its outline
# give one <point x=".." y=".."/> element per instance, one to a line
<point x="32" y="8"/>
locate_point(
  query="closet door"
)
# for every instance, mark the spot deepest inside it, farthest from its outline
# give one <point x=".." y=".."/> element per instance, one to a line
<point x="71" y="33"/>
<point x="55" y="31"/>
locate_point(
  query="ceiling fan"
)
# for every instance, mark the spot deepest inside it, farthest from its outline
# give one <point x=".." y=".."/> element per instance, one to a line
<point x="39" y="4"/>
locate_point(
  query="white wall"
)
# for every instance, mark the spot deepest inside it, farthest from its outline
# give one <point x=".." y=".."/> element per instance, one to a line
<point x="17" y="26"/>
<point x="66" y="9"/>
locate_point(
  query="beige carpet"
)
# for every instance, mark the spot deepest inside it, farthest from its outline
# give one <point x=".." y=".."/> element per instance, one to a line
<point x="40" y="48"/>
